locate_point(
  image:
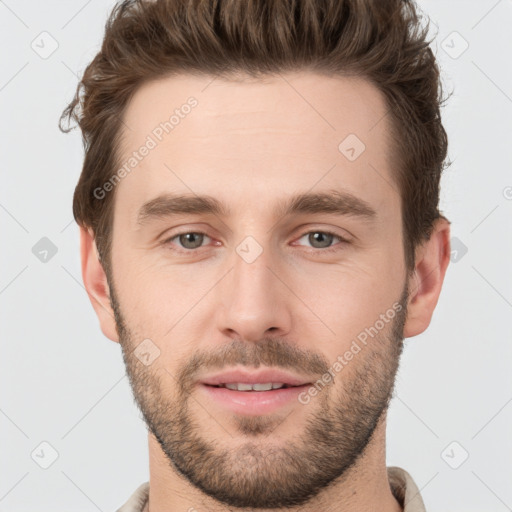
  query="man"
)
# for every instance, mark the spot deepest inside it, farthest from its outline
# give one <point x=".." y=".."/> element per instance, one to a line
<point x="260" y="231"/>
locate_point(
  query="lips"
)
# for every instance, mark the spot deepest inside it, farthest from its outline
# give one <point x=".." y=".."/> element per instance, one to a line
<point x="252" y="393"/>
<point x="257" y="380"/>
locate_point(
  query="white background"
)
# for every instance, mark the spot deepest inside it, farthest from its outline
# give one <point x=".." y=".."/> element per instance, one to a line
<point x="64" y="383"/>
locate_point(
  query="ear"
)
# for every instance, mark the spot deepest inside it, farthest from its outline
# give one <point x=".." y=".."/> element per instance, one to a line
<point x="425" y="283"/>
<point x="96" y="285"/>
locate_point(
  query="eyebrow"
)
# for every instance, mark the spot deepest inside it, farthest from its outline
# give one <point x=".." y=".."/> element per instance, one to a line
<point x="331" y="202"/>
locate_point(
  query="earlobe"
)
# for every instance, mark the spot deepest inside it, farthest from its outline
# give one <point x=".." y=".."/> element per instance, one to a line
<point x="96" y="285"/>
<point x="425" y="284"/>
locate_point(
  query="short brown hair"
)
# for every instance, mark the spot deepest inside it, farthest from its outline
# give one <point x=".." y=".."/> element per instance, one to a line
<point x="382" y="41"/>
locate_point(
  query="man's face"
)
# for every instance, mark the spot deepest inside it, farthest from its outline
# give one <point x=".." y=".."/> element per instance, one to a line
<point x="257" y="285"/>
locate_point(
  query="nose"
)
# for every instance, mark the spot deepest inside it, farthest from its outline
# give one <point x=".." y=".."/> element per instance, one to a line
<point x="254" y="301"/>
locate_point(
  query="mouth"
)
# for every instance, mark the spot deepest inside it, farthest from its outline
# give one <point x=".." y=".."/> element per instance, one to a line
<point x="253" y="393"/>
<point x="259" y="387"/>
<point x="265" y="379"/>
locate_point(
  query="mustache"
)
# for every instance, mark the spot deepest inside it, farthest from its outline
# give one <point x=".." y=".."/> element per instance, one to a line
<point x="271" y="352"/>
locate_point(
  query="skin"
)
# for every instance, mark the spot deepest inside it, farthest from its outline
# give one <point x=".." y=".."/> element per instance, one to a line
<point x="250" y="144"/>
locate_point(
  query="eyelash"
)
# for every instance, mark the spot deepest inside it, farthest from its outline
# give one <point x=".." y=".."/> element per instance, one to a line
<point x="343" y="241"/>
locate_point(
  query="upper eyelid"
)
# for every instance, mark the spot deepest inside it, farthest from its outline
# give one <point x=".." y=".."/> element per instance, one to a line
<point x="342" y="239"/>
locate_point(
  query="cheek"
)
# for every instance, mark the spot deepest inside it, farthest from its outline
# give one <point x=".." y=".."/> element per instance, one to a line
<point x="163" y="302"/>
<point x="348" y="298"/>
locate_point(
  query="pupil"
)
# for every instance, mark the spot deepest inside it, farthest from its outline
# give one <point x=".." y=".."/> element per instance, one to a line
<point x="318" y="236"/>
<point x="189" y="238"/>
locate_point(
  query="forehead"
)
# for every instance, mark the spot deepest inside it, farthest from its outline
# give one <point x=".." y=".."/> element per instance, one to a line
<point x="227" y="137"/>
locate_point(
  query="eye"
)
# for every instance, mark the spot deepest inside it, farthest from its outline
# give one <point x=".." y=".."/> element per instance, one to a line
<point x="193" y="240"/>
<point x="323" y="240"/>
<point x="189" y="240"/>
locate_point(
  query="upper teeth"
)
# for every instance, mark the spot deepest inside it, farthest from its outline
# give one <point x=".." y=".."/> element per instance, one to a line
<point x="239" y="386"/>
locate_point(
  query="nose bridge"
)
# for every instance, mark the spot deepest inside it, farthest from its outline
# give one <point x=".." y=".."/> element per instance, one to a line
<point x="253" y="299"/>
<point x="251" y="275"/>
